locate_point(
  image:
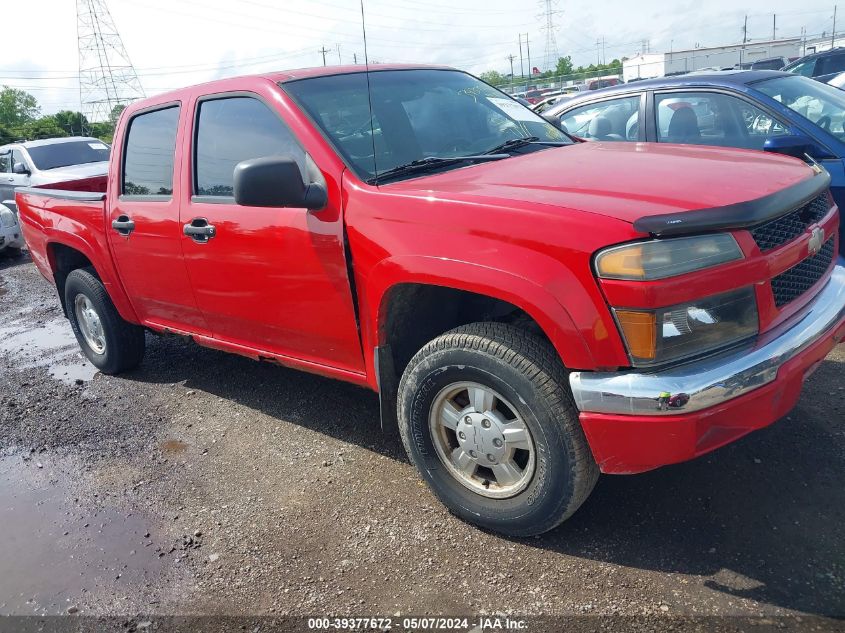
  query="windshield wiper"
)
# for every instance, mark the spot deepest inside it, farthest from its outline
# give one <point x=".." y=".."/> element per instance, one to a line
<point x="433" y="162"/>
<point x="516" y="143"/>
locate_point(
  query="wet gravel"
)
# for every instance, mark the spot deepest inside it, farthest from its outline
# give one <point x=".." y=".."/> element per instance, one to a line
<point x="204" y="483"/>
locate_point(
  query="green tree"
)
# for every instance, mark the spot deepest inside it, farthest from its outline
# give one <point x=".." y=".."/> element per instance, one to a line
<point x="115" y="113"/>
<point x="73" y="123"/>
<point x="17" y="107"/>
<point x="564" y="66"/>
<point x="43" y="127"/>
<point x="492" y="77"/>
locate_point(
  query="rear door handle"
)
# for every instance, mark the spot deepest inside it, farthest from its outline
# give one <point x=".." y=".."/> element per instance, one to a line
<point x="199" y="230"/>
<point x="123" y="225"/>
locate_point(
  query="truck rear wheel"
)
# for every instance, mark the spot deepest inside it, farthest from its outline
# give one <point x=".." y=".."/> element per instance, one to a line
<point x="110" y="343"/>
<point x="486" y="415"/>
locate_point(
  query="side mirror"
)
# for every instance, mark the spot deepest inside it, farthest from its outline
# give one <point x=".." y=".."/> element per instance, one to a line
<point x="275" y="181"/>
<point x="21" y="170"/>
<point x="554" y="120"/>
<point x="793" y="145"/>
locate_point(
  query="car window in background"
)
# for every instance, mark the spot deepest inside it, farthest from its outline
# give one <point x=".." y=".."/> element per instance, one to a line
<point x="18" y="159"/>
<point x="416" y="114"/>
<point x="148" y="158"/>
<point x="232" y="130"/>
<point x="829" y="64"/>
<point x="5" y="162"/>
<point x="802" y="68"/>
<point x="711" y="118"/>
<point x="817" y="102"/>
<point x="57" y="155"/>
<point x="610" y="120"/>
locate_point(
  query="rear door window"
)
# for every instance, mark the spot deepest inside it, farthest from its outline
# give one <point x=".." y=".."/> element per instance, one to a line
<point x="148" y="157"/>
<point x="711" y="118"/>
<point x="609" y="120"/>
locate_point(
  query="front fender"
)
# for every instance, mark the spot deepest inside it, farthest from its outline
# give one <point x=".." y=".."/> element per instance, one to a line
<point x="537" y="294"/>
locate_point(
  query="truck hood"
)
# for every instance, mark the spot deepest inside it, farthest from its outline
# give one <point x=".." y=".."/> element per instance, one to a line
<point x="621" y="180"/>
<point x="71" y="172"/>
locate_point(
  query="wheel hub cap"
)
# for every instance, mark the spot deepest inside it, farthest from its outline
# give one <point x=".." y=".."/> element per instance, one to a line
<point x="482" y="440"/>
<point x="482" y="437"/>
<point x="90" y="325"/>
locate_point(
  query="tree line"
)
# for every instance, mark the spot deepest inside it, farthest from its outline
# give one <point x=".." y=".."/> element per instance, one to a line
<point x="21" y="119"/>
<point x="564" y="70"/>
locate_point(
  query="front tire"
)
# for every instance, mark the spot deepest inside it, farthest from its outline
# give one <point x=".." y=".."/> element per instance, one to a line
<point x="112" y="344"/>
<point x="486" y="416"/>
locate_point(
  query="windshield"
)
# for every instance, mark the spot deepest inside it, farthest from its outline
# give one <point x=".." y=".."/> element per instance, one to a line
<point x="417" y="114"/>
<point x="817" y="102"/>
<point x="58" y="155"/>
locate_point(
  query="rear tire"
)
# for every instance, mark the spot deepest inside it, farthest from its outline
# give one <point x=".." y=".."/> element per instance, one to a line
<point x="112" y="344"/>
<point x="486" y="416"/>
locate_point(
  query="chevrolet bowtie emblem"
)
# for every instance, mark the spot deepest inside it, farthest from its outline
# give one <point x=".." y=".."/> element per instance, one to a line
<point x="816" y="241"/>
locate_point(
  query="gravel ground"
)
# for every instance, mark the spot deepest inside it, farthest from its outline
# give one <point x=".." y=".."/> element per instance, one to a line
<point x="204" y="483"/>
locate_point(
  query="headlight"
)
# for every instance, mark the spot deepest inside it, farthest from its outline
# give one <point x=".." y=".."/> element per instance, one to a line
<point x="658" y="336"/>
<point x="658" y="259"/>
<point x="7" y="218"/>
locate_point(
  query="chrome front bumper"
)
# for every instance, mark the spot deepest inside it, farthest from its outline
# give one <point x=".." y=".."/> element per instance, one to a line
<point x="712" y="381"/>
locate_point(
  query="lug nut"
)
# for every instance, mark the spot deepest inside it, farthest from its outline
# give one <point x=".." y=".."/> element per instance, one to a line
<point x="468" y="420"/>
<point x="462" y="435"/>
<point x="490" y="458"/>
<point x="485" y="423"/>
<point x="496" y="442"/>
<point x="473" y="454"/>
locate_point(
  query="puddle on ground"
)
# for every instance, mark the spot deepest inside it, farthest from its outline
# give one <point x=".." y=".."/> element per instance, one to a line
<point x="51" y="345"/>
<point x="58" y="554"/>
<point x="173" y="446"/>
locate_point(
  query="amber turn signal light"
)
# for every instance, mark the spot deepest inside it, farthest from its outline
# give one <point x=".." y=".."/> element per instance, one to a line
<point x="639" y="330"/>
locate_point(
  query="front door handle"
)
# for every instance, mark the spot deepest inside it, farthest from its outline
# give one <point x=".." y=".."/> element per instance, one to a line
<point x="123" y="225"/>
<point x="199" y="230"/>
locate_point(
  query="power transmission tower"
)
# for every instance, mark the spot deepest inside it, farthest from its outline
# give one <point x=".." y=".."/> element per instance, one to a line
<point x="106" y="76"/>
<point x="551" y="53"/>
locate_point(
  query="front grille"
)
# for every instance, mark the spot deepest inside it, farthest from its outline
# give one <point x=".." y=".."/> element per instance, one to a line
<point x="794" y="282"/>
<point x="786" y="228"/>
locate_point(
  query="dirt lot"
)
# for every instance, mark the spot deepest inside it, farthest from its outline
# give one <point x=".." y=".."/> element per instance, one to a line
<point x="204" y="483"/>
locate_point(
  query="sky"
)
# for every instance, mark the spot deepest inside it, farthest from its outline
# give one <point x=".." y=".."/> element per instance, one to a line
<point x="173" y="43"/>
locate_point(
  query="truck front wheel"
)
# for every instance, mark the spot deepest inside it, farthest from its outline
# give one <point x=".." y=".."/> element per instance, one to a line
<point x="110" y="343"/>
<point x="486" y="416"/>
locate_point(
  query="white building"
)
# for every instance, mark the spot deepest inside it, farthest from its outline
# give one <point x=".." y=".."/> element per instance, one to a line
<point x="644" y="66"/>
<point x="647" y="65"/>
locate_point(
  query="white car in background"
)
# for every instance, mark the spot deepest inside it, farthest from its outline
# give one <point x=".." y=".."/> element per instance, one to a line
<point x="71" y="161"/>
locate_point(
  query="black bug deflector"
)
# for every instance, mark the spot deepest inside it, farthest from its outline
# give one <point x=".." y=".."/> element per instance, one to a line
<point x="736" y="216"/>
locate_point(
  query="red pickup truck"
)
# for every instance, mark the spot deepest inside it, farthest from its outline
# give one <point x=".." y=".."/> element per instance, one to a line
<point x="532" y="310"/>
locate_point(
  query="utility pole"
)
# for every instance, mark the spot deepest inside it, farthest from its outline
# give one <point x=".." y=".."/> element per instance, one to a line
<point x="323" y="50"/>
<point x="598" y="52"/>
<point x="833" y="35"/>
<point x="338" y="55"/>
<point x="744" y="39"/>
<point x="521" y="66"/>
<point x="774" y="26"/>
<point x="355" y="58"/>
<point x="510" y="58"/>
<point x="528" y="54"/>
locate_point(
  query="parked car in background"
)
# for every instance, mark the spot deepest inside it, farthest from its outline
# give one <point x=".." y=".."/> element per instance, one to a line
<point x="820" y="66"/>
<point x="837" y="81"/>
<point x="531" y="311"/>
<point x="11" y="239"/>
<point x="75" y="159"/>
<point x="770" y="63"/>
<point x="760" y="110"/>
<point x="550" y="100"/>
<point x="598" y="84"/>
